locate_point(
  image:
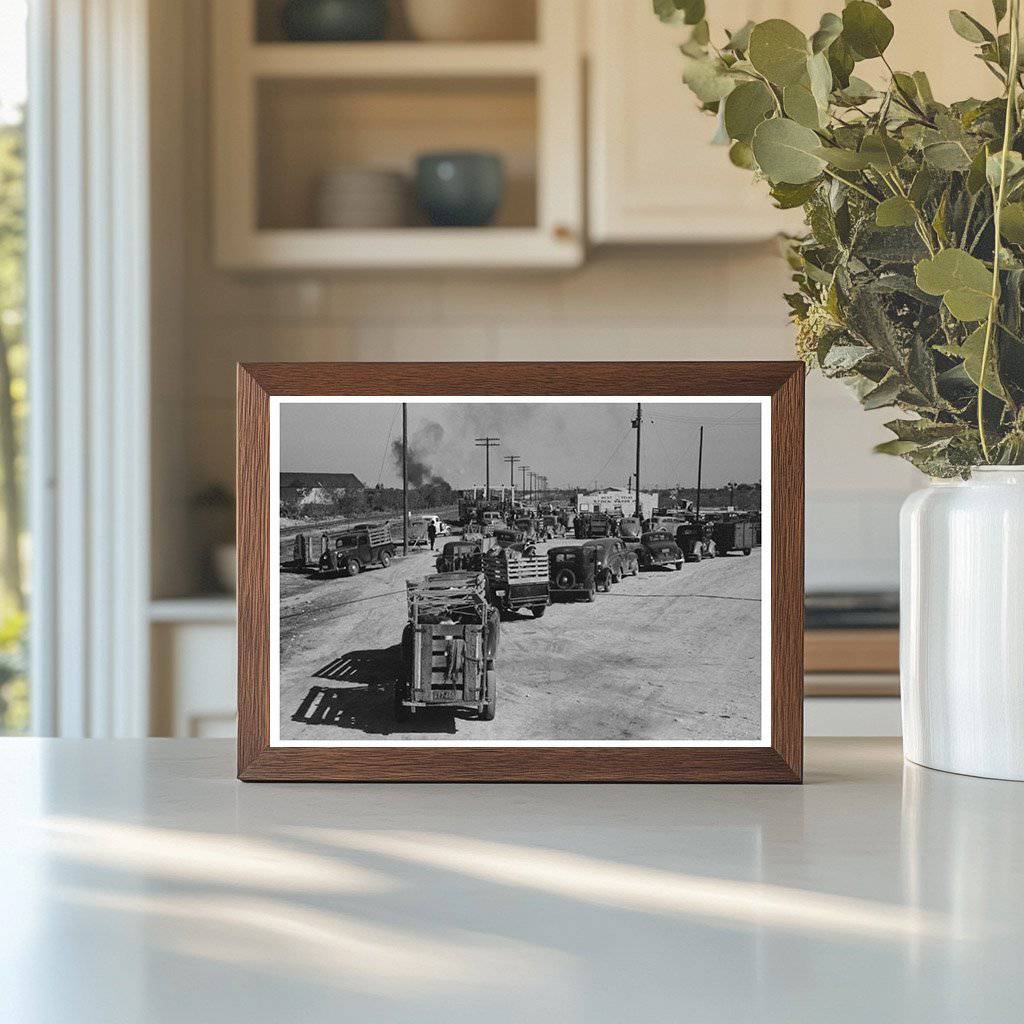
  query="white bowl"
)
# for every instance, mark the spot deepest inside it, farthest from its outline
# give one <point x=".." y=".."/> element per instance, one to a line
<point x="470" y="20"/>
<point x="362" y="198"/>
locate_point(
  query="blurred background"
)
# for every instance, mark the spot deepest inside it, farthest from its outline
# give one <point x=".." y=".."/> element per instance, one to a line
<point x="245" y="180"/>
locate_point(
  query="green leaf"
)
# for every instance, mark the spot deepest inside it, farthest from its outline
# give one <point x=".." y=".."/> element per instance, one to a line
<point x="801" y="106"/>
<point x="922" y="431"/>
<point x="969" y="28"/>
<point x="858" y="91"/>
<point x="787" y="151"/>
<point x="788" y="196"/>
<point x="885" y="394"/>
<point x="883" y="152"/>
<point x="819" y="74"/>
<point x="971" y="352"/>
<point x="707" y="78"/>
<point x="741" y="155"/>
<point x="963" y="281"/>
<point x="924" y="88"/>
<point x="993" y="167"/>
<point x="739" y="41"/>
<point x="866" y="29"/>
<point x="922" y="185"/>
<point x="947" y="156"/>
<point x="895" y="447"/>
<point x="745" y="108"/>
<point x="976" y="174"/>
<point x="895" y="212"/>
<point x="779" y="51"/>
<point x="844" y="159"/>
<point x="829" y="30"/>
<point x="841" y="63"/>
<point x="999" y="9"/>
<point x="1012" y="223"/>
<point x="690" y="12"/>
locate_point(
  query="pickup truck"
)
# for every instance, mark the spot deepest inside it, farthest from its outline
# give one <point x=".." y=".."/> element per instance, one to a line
<point x="516" y="581"/>
<point x="358" y="549"/>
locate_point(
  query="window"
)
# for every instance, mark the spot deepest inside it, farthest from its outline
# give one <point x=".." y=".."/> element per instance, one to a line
<point x="14" y="694"/>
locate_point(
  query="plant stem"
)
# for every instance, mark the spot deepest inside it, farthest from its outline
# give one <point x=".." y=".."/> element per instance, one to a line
<point x="853" y="185"/>
<point x="1011" y="108"/>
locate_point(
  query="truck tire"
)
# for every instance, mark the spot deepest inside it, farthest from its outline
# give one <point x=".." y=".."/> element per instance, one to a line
<point x="636" y="569"/>
<point x="385" y="559"/>
<point x="539" y="610"/>
<point x="591" y="592"/>
<point x="679" y="565"/>
<point x="490" y="696"/>
<point x="352" y="567"/>
<point x="404" y="681"/>
<point x="617" y="576"/>
<point x="746" y="551"/>
<point x="565" y="579"/>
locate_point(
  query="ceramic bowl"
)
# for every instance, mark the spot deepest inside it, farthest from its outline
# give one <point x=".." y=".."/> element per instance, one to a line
<point x="460" y="189"/>
<point x="333" y="21"/>
<point x="470" y="20"/>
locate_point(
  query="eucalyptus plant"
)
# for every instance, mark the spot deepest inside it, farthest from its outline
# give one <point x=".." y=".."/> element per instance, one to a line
<point x="910" y="277"/>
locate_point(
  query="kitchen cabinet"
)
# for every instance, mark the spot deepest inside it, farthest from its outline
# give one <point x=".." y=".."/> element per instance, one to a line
<point x="653" y="175"/>
<point x="288" y="114"/>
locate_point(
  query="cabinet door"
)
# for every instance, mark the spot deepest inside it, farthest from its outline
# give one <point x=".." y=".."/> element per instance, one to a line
<point x="654" y="176"/>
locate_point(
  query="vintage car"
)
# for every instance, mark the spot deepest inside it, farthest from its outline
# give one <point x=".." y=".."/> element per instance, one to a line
<point x="459" y="555"/>
<point x="355" y="550"/>
<point x="448" y="647"/>
<point x="630" y="528"/>
<point x="658" y="548"/>
<point x="573" y="571"/>
<point x="697" y="539"/>
<point x="614" y="560"/>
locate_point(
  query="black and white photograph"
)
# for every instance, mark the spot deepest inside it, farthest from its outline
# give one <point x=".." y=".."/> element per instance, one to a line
<point x="519" y="571"/>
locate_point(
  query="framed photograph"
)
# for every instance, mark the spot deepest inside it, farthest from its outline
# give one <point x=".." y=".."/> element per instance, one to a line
<point x="560" y="572"/>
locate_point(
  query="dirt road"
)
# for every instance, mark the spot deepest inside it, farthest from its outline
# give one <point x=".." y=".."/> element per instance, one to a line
<point x="665" y="655"/>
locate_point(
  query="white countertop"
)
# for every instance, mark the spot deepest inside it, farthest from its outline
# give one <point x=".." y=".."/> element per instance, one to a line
<point x="140" y="882"/>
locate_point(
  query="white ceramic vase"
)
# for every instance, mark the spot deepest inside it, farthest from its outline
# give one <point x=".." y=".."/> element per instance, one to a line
<point x="962" y="624"/>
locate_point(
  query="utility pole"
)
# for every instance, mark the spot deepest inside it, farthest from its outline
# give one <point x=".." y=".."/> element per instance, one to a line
<point x="487" y="443"/>
<point x="524" y="470"/>
<point x="512" y="460"/>
<point x="405" y="479"/>
<point x="700" y="466"/>
<point x="732" y="493"/>
<point x="638" y="512"/>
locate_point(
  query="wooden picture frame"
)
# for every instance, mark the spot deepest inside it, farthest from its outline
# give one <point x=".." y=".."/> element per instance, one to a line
<point x="780" y="759"/>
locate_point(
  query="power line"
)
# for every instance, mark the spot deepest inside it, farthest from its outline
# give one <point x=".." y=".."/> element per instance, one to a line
<point x="387" y="446"/>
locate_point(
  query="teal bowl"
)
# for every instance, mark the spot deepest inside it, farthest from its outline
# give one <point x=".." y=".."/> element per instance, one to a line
<point x="334" y="21"/>
<point x="460" y="189"/>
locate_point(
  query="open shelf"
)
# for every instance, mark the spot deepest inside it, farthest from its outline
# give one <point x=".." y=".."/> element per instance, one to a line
<point x="308" y="127"/>
<point x="390" y="60"/>
<point x="286" y="114"/>
<point x="520" y="23"/>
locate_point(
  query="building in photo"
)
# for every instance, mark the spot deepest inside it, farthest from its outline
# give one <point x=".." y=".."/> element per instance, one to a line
<point x="617" y="499"/>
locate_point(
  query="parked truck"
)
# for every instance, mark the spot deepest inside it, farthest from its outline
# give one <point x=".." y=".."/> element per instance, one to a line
<point x="735" y="533"/>
<point x="448" y="646"/>
<point x="357" y="549"/>
<point x="516" y="581"/>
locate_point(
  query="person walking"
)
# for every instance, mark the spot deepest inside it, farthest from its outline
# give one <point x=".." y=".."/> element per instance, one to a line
<point x="431" y="533"/>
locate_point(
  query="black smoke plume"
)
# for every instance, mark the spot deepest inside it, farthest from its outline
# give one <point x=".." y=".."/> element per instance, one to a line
<point x="421" y="444"/>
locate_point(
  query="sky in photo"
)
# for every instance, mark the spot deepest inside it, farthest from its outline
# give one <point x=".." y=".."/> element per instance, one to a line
<point x="573" y="444"/>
